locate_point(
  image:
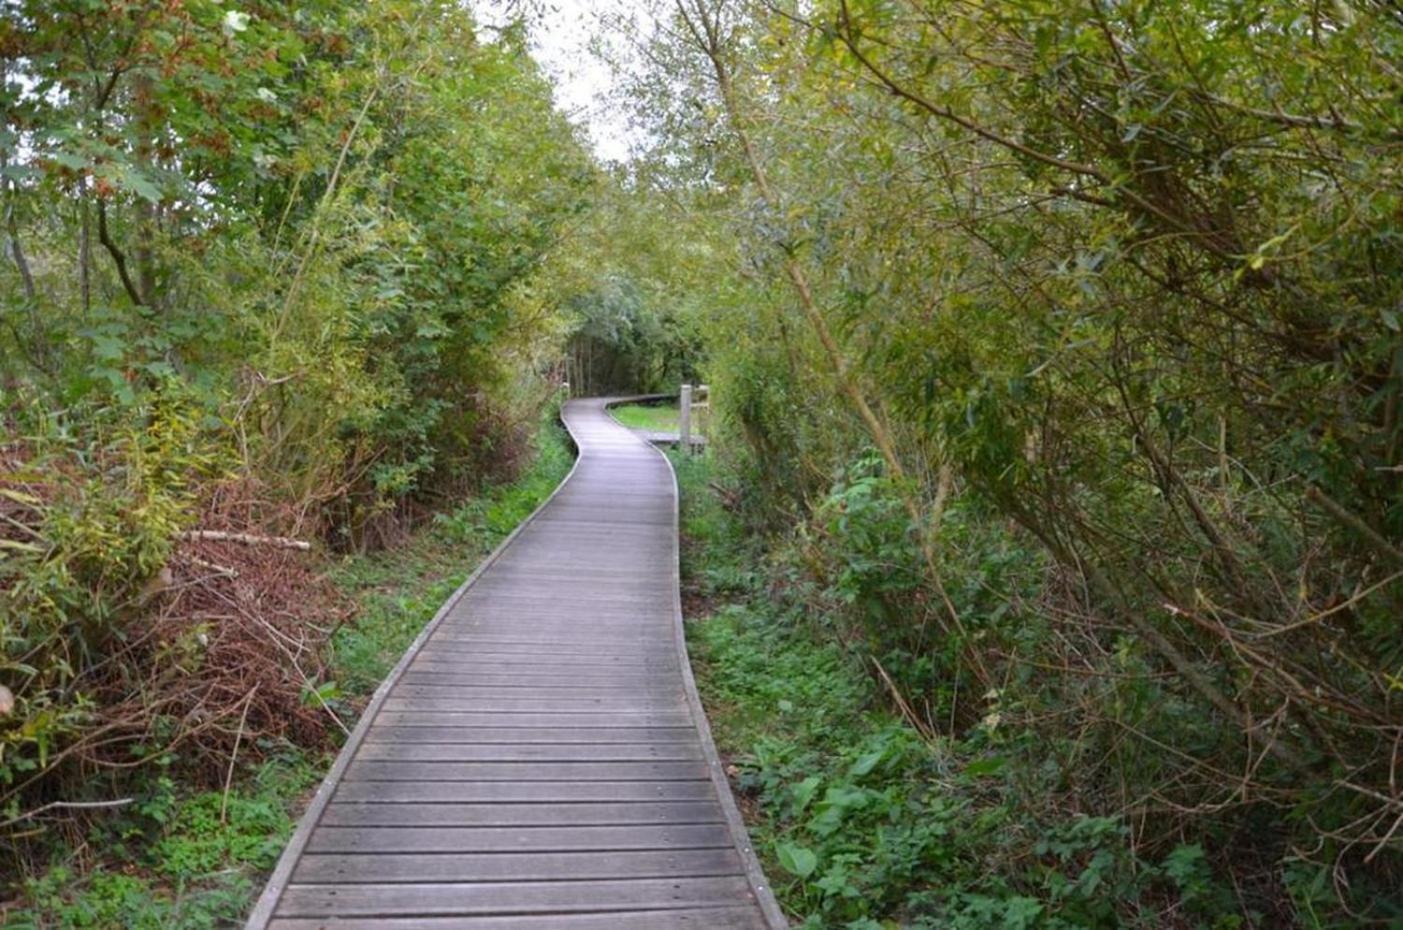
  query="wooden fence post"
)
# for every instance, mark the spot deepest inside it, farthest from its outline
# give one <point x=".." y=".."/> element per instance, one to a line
<point x="684" y="419"/>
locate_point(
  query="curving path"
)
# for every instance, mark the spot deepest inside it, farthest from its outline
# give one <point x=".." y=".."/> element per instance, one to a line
<point x="538" y="760"/>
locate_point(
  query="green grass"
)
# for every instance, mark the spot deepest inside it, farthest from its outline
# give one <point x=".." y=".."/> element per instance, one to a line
<point x="182" y="860"/>
<point x="661" y="418"/>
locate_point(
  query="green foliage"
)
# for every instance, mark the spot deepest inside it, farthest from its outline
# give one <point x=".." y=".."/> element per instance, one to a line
<point x="305" y="209"/>
<point x="174" y="861"/>
<point x="621" y="344"/>
<point x="1095" y="285"/>
<point x="106" y="900"/>
<point x="718" y="558"/>
<point x="873" y="539"/>
<point x="861" y="553"/>
<point x="866" y="824"/>
<point x="251" y="831"/>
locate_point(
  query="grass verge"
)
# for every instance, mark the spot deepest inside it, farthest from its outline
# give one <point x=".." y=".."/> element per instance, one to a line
<point x="656" y="418"/>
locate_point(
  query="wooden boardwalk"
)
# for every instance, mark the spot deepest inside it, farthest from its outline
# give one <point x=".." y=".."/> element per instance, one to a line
<point x="539" y="760"/>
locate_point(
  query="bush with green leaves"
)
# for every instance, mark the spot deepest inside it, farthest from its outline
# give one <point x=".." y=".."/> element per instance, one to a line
<point x="269" y="267"/>
<point x="1112" y="288"/>
<point x="863" y="820"/>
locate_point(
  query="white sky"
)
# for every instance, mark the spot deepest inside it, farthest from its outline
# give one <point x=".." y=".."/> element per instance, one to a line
<point x="561" y="32"/>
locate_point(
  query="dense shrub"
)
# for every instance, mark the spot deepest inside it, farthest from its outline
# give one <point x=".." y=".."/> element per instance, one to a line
<point x="267" y="274"/>
<point x="1095" y="287"/>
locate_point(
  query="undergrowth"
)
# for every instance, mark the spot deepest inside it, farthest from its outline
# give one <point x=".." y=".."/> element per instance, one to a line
<point x="864" y="823"/>
<point x="174" y="859"/>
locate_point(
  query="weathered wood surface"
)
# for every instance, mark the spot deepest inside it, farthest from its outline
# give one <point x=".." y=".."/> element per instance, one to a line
<point x="539" y="759"/>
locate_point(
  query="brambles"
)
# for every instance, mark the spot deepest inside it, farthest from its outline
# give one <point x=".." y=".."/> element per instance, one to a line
<point x="863" y="818"/>
<point x="130" y="644"/>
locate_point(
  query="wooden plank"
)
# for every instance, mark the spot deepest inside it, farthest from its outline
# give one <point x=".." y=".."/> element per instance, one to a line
<point x="530" y="752"/>
<point x="518" y="627"/>
<point x="576" y="603"/>
<point x="472" y="654"/>
<point x="573" y="620"/>
<point x="499" y="682"/>
<point x="475" y="656"/>
<point x="525" y="771"/>
<point x="536" y="792"/>
<point x="522" y="720"/>
<point x="601" y="813"/>
<point x="418" y="702"/>
<point x="574" y="643"/>
<point x="514" y="663"/>
<point x="504" y="867"/>
<point x="743" y="917"/>
<point x="444" y="735"/>
<point x="569" y="630"/>
<point x="511" y="897"/>
<point x="587" y="650"/>
<point x="587" y="573"/>
<point x="432" y="684"/>
<point x="562" y="664"/>
<point x="442" y="839"/>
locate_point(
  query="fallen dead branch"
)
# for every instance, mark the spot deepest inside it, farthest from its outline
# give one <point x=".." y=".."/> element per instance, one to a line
<point x="66" y="806"/>
<point x="248" y="539"/>
<point x="213" y="567"/>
